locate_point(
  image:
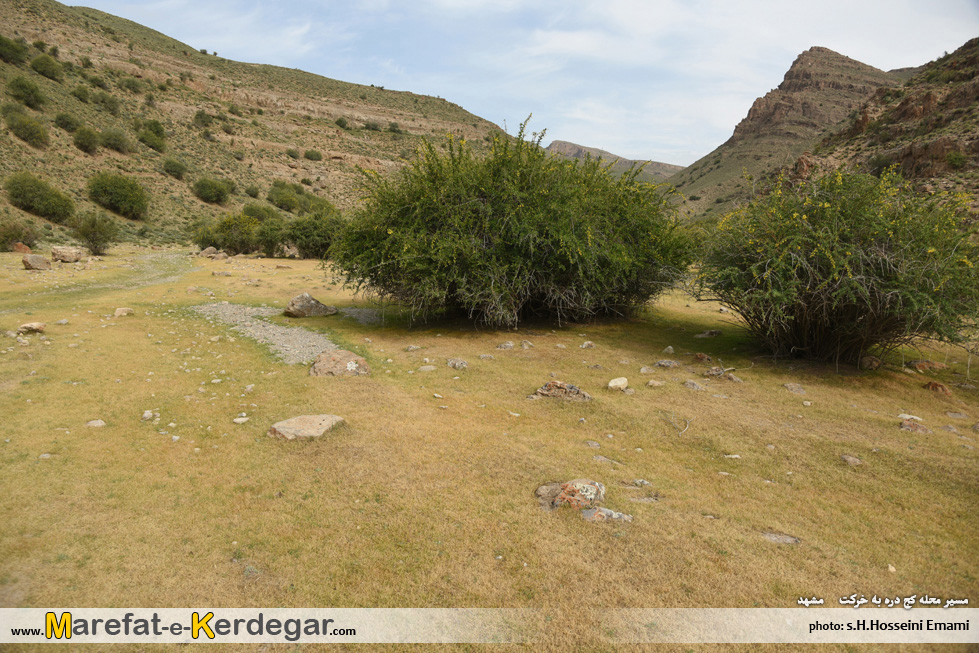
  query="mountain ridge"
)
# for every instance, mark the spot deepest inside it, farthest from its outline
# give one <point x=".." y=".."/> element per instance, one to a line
<point x="653" y="171"/>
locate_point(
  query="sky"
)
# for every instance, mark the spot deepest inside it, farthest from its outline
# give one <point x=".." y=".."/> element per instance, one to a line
<point x="664" y="80"/>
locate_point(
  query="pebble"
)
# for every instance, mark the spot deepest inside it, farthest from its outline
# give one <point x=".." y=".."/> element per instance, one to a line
<point x="240" y="420"/>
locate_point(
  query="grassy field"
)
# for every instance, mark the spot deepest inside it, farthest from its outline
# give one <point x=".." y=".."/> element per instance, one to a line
<point x="421" y="501"/>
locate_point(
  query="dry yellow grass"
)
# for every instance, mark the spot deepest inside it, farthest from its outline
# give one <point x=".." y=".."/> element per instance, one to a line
<point x="414" y="505"/>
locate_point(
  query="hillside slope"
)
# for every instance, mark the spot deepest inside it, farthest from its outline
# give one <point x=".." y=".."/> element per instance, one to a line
<point x="819" y="90"/>
<point x="652" y="171"/>
<point x="262" y="119"/>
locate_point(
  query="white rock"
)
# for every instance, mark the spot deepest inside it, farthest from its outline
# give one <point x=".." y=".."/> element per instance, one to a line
<point x="621" y="383"/>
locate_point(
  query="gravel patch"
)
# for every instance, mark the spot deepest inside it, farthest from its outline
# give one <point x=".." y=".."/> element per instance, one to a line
<point x="291" y="344"/>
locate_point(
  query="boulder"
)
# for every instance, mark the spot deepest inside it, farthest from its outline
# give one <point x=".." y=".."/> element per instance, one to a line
<point x="579" y="493"/>
<point x="21" y="248"/>
<point x="794" y="388"/>
<point x="208" y="252"/>
<point x="290" y="251"/>
<point x="926" y="366"/>
<point x="852" y="461"/>
<point x="505" y="345"/>
<point x="31" y="327"/>
<point x="620" y="383"/>
<point x="561" y="390"/>
<point x="95" y="423"/>
<point x="599" y="514"/>
<point x="339" y="362"/>
<point x="938" y="388"/>
<point x="668" y="364"/>
<point x="457" y="364"/>
<point x="304" y="427"/>
<point x="702" y="358"/>
<point x="35" y="262"/>
<point x="914" y="427"/>
<point x="305" y="306"/>
<point x="220" y="256"/>
<point x="693" y="385"/>
<point x="870" y="363"/>
<point x="588" y="344"/>
<point x="122" y="312"/>
<point x="67" y="254"/>
<point x="668" y="351"/>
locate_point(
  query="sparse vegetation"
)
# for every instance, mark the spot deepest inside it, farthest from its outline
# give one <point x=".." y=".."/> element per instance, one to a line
<point x="842" y="265"/>
<point x="252" y="190"/>
<point x="14" y="230"/>
<point x="12" y="52"/>
<point x="203" y="119"/>
<point x="153" y="135"/>
<point x="119" y="194"/>
<point x="131" y="84"/>
<point x="45" y="65"/>
<point x="81" y="93"/>
<point x="26" y="91"/>
<point x="34" y="195"/>
<point x="96" y="231"/>
<point x="313" y="155"/>
<point x="106" y="102"/>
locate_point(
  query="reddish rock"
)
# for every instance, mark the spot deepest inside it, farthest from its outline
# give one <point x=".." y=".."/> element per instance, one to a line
<point x="702" y="358"/>
<point x="926" y="366"/>
<point x="561" y="390"/>
<point x="21" y="248"/>
<point x="938" y="388"/>
<point x="339" y="362"/>
<point x="914" y="427"/>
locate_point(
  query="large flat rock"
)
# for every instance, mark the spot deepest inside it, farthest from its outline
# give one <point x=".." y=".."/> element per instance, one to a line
<point x="304" y="427"/>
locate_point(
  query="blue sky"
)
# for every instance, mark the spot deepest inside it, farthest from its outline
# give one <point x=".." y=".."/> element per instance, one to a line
<point x="665" y="80"/>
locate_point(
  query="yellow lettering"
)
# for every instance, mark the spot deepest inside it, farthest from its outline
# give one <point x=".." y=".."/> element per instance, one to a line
<point x="57" y="628"/>
<point x="198" y="624"/>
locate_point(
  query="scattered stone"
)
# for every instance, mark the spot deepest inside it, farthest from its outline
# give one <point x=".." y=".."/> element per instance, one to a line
<point x="44" y="456"/>
<point x="486" y="357"/>
<point x="732" y="378"/>
<point x="31" y="327"/>
<point x="646" y="369"/>
<point x="955" y="415"/>
<point x="714" y="371"/>
<point x="780" y="538"/>
<point x="926" y="366"/>
<point x="640" y="482"/>
<point x="723" y="310"/>
<point x="122" y="312"/>
<point x="505" y="345"/>
<point x="412" y="348"/>
<point x="458" y="364"/>
<point x="220" y="256"/>
<point x="147" y="415"/>
<point x="668" y="364"/>
<point x="339" y="362"/>
<point x="653" y="383"/>
<point x="526" y="344"/>
<point x="938" y="388"/>
<point x="61" y="322"/>
<point x="907" y="416"/>
<point x="807" y="404"/>
<point x="870" y="363"/>
<point x="668" y="351"/>
<point x="794" y="388"/>
<point x="579" y="493"/>
<point x="35" y="262"/>
<point x="304" y="427"/>
<point x="710" y="333"/>
<point x="603" y="459"/>
<point x="560" y="346"/>
<point x="305" y="306"/>
<point x="620" y="383"/>
<point x="426" y="368"/>
<point x="95" y="423"/>
<point x="693" y="385"/>
<point x="593" y="444"/>
<point x="600" y="514"/>
<point x="561" y="390"/>
<point x="950" y="428"/>
<point x="770" y="447"/>
<point x="21" y="248"/>
<point x="220" y="273"/>
<point x="240" y="420"/>
<point x="702" y="358"/>
<point x="283" y="267"/>
<point x="629" y="391"/>
<point x="852" y="461"/>
<point x="732" y="456"/>
<point x="67" y="254"/>
<point x="588" y="344"/>
<point x="208" y="252"/>
<point x="914" y="427"/>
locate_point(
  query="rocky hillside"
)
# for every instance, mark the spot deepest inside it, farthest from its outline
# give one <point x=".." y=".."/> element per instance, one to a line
<point x="819" y="90"/>
<point x="652" y="171"/>
<point x="244" y="123"/>
<point x="928" y="127"/>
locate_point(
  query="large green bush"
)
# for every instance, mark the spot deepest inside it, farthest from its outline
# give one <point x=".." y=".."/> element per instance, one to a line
<point x="213" y="191"/>
<point x="294" y="199"/>
<point x="313" y="234"/>
<point x="68" y="122"/>
<point x="30" y="130"/>
<point x="119" y="194"/>
<point x="87" y="140"/>
<point x="237" y="233"/>
<point x="12" y="52"/>
<point x="34" y="195"/>
<point x="116" y="139"/>
<point x="271" y="235"/>
<point x="515" y="234"/>
<point x="834" y="267"/>
<point x="26" y="91"/>
<point x="260" y="212"/>
<point x="44" y="64"/>
<point x="14" y="230"/>
<point x="96" y="231"/>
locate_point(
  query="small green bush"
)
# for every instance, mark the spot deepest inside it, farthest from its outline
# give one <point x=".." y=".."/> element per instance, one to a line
<point x="119" y="194"/>
<point x="342" y="122"/>
<point x="203" y="118"/>
<point x="260" y="212"/>
<point x="107" y="102"/>
<point x="96" y="231"/>
<point x="85" y="61"/>
<point x="372" y="126"/>
<point x="833" y="267"/>
<point x="292" y="153"/>
<point x="956" y="159"/>
<point x="131" y="84"/>
<point x="203" y="235"/>
<point x="67" y="122"/>
<point x="116" y="139"/>
<point x="313" y="155"/>
<point x="213" y="191"/>
<point x="228" y="128"/>
<point x="174" y="168"/>
<point x="28" y="129"/>
<point x="31" y="194"/>
<point x="12" y="52"/>
<point x="81" y="93"/>
<point x="295" y="199"/>
<point x="394" y="128"/>
<point x="314" y="233"/>
<point x="98" y="82"/>
<point x="26" y="91"/>
<point x="152" y="134"/>
<point x="515" y="234"/>
<point x="14" y="230"/>
<point x="235" y="110"/>
<point x="45" y="65"/>
<point x="87" y="140"/>
<point x="40" y="45"/>
<point x="271" y="235"/>
<point x="237" y="233"/>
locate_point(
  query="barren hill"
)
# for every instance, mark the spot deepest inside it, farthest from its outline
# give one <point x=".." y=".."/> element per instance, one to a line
<point x="819" y="90"/>
<point x="652" y="171"/>
<point x="248" y="123"/>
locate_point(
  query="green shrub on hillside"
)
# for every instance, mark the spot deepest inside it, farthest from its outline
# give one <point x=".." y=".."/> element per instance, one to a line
<point x="107" y="102"/>
<point x="116" y="139"/>
<point x="203" y="118"/>
<point x="237" y="233"/>
<point x="26" y="91"/>
<point x="131" y="84"/>
<point x="372" y="126"/>
<point x="202" y="233"/>
<point x="68" y="122"/>
<point x="833" y="267"/>
<point x="85" y="61"/>
<point x="14" y="230"/>
<point x="87" y="140"/>
<point x="260" y="212"/>
<point x="313" y="155"/>
<point x="28" y="193"/>
<point x="152" y="135"/>
<point x="12" y="52"/>
<point x="96" y="231"/>
<point x="213" y="191"/>
<point x="119" y="194"/>
<point x="45" y="65"/>
<point x="292" y="153"/>
<point x="515" y="234"/>
<point x="252" y="190"/>
<point x="271" y="235"/>
<point x="97" y="82"/>
<point x="174" y="168"/>
<point x="295" y="199"/>
<point x="342" y="122"/>
<point x="28" y="129"/>
<point x="81" y="93"/>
